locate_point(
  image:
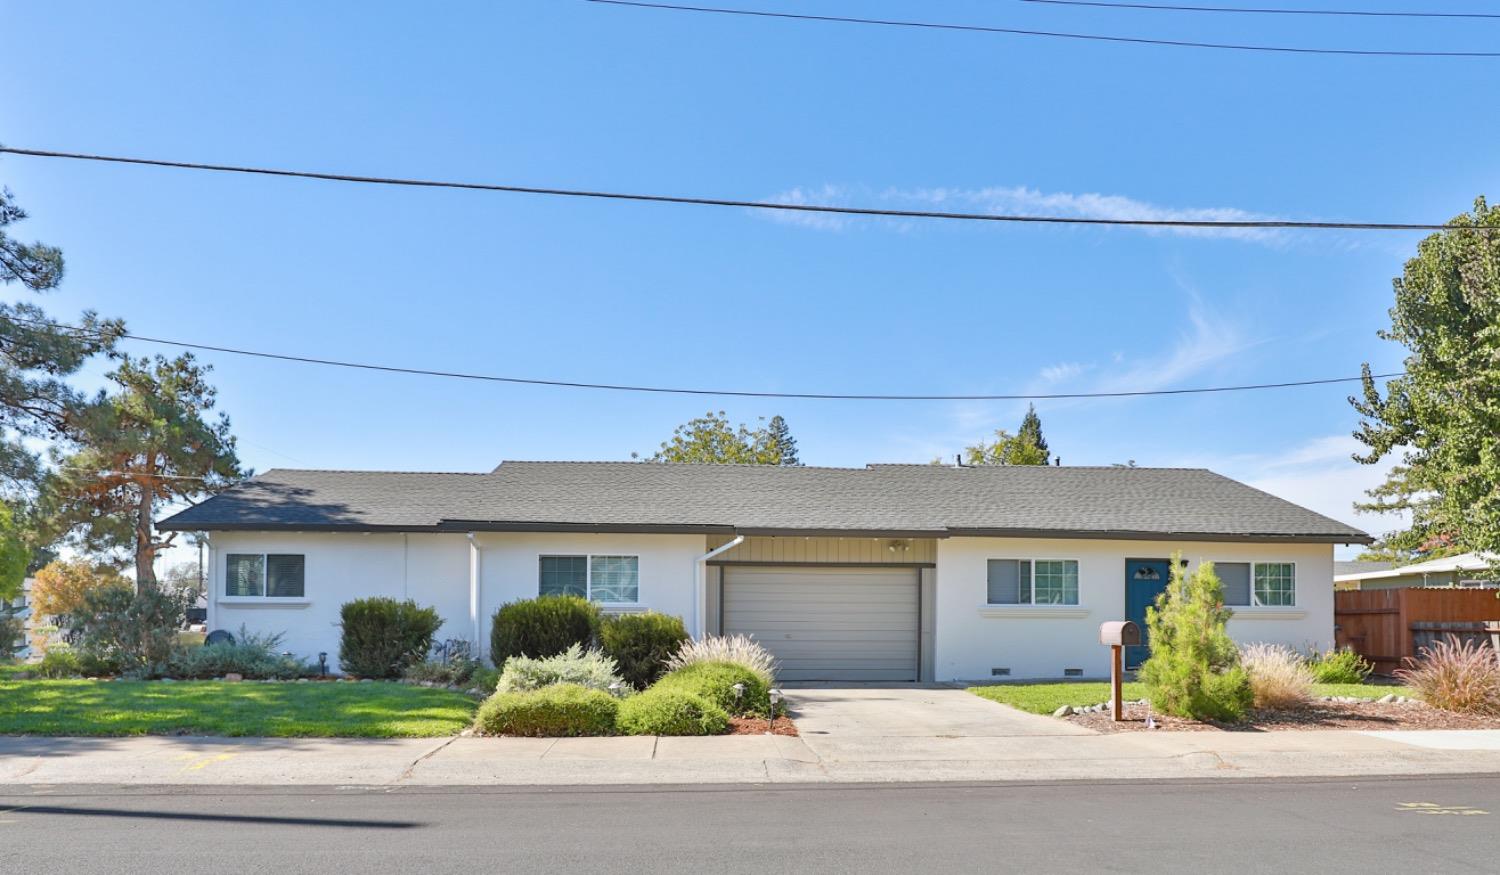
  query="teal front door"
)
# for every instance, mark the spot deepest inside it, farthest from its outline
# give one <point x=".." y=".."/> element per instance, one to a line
<point x="1145" y="579"/>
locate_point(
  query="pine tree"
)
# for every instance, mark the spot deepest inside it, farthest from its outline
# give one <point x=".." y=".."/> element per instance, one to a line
<point x="148" y="443"/>
<point x="1031" y="432"/>
<point x="35" y="355"/>
<point x="779" y="441"/>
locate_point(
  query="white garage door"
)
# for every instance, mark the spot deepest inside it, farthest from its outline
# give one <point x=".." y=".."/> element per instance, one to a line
<point x="828" y="624"/>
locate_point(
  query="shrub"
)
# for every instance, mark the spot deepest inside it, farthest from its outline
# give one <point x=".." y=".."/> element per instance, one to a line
<point x="715" y="682"/>
<point x="382" y="636"/>
<point x="563" y="709"/>
<point x="485" y="678"/>
<point x="133" y="631"/>
<point x="253" y="655"/>
<point x="1456" y="676"/>
<point x="641" y="644"/>
<point x="1279" y="678"/>
<point x="451" y="672"/>
<point x="12" y="636"/>
<point x="1194" y="669"/>
<point x="666" y="711"/>
<point x="542" y="627"/>
<point x="59" y="662"/>
<point x="584" y="668"/>
<point x="738" y="649"/>
<point x="1339" y="667"/>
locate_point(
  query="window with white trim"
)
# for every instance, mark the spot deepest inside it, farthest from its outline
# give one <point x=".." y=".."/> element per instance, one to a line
<point x="265" y="575"/>
<point x="1258" y="584"/>
<point x="1275" y="584"/>
<point x="603" y="579"/>
<point x="1032" y="582"/>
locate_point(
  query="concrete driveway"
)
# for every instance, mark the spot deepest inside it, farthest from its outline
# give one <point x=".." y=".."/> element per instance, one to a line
<point x="911" y="722"/>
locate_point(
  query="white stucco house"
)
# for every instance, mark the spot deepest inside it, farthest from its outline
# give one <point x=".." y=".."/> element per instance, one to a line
<point x="883" y="573"/>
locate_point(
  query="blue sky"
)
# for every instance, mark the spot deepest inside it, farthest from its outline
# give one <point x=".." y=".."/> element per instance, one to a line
<point x="573" y="94"/>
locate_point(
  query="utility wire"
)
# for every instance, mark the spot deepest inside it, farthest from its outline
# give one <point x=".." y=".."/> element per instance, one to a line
<point x="755" y="205"/>
<point x="976" y="28"/>
<point x="663" y="390"/>
<point x="1264" y="11"/>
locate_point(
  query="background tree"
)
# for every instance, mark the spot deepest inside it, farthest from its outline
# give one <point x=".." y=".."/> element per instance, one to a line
<point x="1030" y="432"/>
<point x="15" y="554"/>
<point x="1441" y="418"/>
<point x="779" y="441"/>
<point x="35" y="355"/>
<point x="710" y="439"/>
<point x="1025" y="447"/>
<point x="148" y="443"/>
<point x="59" y="588"/>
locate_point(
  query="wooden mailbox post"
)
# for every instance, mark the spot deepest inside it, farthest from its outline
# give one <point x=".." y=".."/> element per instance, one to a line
<point x="1118" y="634"/>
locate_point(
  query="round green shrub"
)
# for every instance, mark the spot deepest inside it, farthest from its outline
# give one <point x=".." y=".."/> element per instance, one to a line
<point x="382" y="636"/>
<point x="666" y="711"/>
<point x="560" y="710"/>
<point x="542" y="627"/>
<point x="641" y="644"/>
<point x="715" y="682"/>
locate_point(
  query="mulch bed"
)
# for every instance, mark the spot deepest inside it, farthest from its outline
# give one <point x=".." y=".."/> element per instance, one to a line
<point x="757" y="726"/>
<point x="1318" y="715"/>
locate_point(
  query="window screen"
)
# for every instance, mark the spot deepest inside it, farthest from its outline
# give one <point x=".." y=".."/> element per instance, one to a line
<point x="1009" y="582"/>
<point x="245" y="574"/>
<point x="284" y="572"/>
<point x="564" y="575"/>
<point x="1236" y="579"/>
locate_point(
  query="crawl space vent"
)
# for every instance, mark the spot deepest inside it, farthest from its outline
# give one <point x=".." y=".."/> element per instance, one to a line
<point x="1072" y="672"/>
<point x="999" y="672"/>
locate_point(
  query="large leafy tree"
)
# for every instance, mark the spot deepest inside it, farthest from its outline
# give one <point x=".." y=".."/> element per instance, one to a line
<point x="59" y="588"/>
<point x="1441" y="418"/>
<point x="1026" y="447"/>
<point x="711" y="439"/>
<point x="150" y="442"/>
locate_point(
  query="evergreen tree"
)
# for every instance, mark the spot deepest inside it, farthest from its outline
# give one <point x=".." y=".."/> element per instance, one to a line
<point x="1440" y="418"/>
<point x="780" y="442"/>
<point x="146" y="444"/>
<point x="35" y="355"/>
<point x="1031" y="432"/>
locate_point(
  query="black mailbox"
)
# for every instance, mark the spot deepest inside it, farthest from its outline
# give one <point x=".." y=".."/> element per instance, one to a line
<point x="1120" y="633"/>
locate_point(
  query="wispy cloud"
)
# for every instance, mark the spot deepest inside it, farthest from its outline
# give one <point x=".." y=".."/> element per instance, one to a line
<point x="1017" y="200"/>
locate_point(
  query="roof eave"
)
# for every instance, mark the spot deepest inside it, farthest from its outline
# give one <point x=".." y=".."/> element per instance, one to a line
<point x="1134" y="535"/>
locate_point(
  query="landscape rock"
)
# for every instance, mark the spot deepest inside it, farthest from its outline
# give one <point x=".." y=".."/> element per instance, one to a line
<point x="1388" y="698"/>
<point x="1064" y="711"/>
<point x="234" y="676"/>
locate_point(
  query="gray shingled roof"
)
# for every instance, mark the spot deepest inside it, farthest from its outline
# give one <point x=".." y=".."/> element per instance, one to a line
<point x="911" y="500"/>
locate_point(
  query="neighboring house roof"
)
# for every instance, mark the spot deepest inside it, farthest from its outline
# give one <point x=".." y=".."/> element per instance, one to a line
<point x="879" y="500"/>
<point x="1447" y="564"/>
<point x="1358" y="568"/>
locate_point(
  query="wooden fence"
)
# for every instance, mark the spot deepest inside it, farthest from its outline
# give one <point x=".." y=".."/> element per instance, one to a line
<point x="1387" y="625"/>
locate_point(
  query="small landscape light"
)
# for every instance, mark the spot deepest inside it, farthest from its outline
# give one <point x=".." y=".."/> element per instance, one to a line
<point x="739" y="691"/>
<point x="323" y="664"/>
<point x="775" y="700"/>
<point x="615" y="688"/>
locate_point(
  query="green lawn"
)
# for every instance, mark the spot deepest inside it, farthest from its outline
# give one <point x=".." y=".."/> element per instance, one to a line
<point x="374" y="710"/>
<point x="1044" y="698"/>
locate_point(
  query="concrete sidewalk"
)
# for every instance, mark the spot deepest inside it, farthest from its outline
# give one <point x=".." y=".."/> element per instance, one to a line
<point x="740" y="759"/>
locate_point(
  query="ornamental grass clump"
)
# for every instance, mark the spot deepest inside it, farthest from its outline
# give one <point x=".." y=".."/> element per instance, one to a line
<point x="1455" y="675"/>
<point x="1279" y="678"/>
<point x="1194" y="670"/>
<point x="737" y="649"/>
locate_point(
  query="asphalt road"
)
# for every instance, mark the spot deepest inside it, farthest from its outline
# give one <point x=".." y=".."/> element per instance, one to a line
<point x="1366" y="826"/>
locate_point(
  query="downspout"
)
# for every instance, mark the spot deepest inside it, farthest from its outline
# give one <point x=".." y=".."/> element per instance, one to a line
<point x="700" y="584"/>
<point x="210" y="588"/>
<point x="474" y="595"/>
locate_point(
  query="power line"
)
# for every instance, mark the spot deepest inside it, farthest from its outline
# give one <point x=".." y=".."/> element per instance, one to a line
<point x="976" y="28"/>
<point x="664" y="390"/>
<point x="755" y="205"/>
<point x="1265" y="11"/>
